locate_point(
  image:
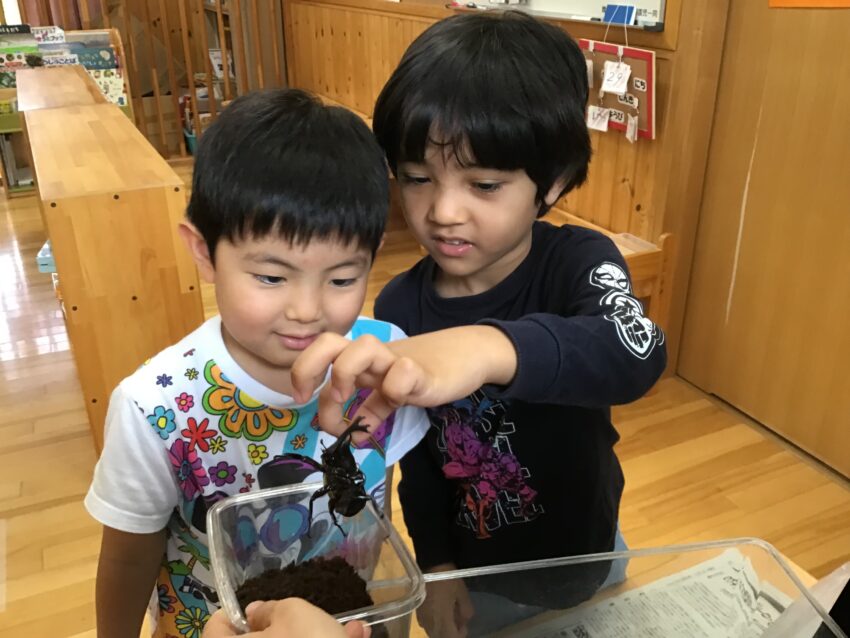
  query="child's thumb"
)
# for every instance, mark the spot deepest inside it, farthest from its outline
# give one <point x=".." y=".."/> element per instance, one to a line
<point x="356" y="629"/>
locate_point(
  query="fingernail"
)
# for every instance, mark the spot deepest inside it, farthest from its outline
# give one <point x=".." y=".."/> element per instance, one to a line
<point x="253" y="607"/>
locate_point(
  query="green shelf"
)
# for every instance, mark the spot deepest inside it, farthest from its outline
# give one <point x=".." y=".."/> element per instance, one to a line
<point x="10" y="123"/>
<point x="21" y="189"/>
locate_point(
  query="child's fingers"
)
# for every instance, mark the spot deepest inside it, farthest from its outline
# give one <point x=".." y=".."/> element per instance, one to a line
<point x="311" y="366"/>
<point x="363" y="363"/>
<point x="330" y="413"/>
<point x="294" y="617"/>
<point x="261" y="615"/>
<point x="375" y="410"/>
<point x="465" y="610"/>
<point x="399" y="387"/>
<point x="406" y="383"/>
<point x="219" y="627"/>
<point x="357" y="629"/>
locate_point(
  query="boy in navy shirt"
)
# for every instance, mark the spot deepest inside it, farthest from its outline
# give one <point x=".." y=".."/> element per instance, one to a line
<point x="523" y="333"/>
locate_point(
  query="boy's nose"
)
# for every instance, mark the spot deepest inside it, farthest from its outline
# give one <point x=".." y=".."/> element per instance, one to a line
<point x="304" y="306"/>
<point x="446" y="209"/>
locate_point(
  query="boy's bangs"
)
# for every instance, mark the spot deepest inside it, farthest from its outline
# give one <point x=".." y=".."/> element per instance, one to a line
<point x="502" y="138"/>
<point x="304" y="194"/>
<point x="301" y="220"/>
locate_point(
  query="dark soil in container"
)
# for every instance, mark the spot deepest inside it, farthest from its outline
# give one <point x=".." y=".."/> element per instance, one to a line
<point x="330" y="584"/>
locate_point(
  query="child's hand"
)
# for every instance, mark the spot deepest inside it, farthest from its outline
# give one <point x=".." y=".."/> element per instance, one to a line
<point x="447" y="608"/>
<point x="427" y="370"/>
<point x="282" y="618"/>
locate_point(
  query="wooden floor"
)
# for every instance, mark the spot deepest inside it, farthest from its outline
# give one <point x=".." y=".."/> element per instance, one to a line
<point x="694" y="469"/>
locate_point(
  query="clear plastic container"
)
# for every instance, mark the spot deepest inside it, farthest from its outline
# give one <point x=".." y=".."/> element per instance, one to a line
<point x="253" y="532"/>
<point x="739" y="588"/>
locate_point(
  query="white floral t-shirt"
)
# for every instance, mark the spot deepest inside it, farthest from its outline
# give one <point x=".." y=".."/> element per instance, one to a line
<point x="190" y="428"/>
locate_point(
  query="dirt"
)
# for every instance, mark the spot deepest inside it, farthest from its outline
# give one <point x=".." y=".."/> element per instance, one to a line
<point x="330" y="584"/>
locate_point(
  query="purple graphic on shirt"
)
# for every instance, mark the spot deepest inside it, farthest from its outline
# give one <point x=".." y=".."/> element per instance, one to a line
<point x="382" y="432"/>
<point x="492" y="482"/>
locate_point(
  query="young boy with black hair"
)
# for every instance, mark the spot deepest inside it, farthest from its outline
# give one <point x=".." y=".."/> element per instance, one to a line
<point x="288" y="208"/>
<point x="527" y="332"/>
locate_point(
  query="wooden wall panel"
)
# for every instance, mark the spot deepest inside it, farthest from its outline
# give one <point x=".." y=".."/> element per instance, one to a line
<point x="771" y="281"/>
<point x="346" y="53"/>
<point x="346" y="50"/>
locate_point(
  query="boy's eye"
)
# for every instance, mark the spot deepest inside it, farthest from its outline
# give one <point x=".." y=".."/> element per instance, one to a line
<point x="487" y="187"/>
<point x="269" y="280"/>
<point x="343" y="283"/>
<point x="415" y="180"/>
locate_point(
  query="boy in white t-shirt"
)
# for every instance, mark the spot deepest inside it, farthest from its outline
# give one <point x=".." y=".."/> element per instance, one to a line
<point x="288" y="208"/>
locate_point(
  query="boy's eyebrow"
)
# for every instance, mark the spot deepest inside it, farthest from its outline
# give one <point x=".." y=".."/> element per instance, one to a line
<point x="274" y="260"/>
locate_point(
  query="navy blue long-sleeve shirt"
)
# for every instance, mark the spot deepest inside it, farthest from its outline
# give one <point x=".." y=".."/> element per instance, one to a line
<point x="528" y="471"/>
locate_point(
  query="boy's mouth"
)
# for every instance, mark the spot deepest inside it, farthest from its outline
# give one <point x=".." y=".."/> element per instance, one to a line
<point x="452" y="246"/>
<point x="297" y="342"/>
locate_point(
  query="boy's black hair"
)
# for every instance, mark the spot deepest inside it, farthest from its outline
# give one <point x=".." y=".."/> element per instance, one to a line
<point x="507" y="92"/>
<point x="282" y="162"/>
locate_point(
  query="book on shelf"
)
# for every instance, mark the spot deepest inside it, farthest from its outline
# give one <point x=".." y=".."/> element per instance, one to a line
<point x="8" y="157"/>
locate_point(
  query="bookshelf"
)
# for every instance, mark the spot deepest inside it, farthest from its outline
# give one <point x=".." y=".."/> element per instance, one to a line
<point x="60" y="54"/>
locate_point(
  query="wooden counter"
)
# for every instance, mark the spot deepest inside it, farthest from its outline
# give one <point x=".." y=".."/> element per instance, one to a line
<point x="111" y="206"/>
<point x="87" y="150"/>
<point x="56" y="86"/>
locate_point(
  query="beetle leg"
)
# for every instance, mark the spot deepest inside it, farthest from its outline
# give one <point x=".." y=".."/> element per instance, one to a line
<point x="336" y="522"/>
<point x="377" y="507"/>
<point x="317" y="494"/>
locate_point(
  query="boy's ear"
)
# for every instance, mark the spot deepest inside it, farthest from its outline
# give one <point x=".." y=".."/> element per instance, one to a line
<point x="199" y="250"/>
<point x="554" y="193"/>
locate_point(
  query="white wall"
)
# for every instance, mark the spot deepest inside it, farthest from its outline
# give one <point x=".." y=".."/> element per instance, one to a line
<point x="10" y="10"/>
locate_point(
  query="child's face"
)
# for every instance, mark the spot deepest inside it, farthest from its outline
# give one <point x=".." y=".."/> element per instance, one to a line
<point x="275" y="298"/>
<point x="475" y="222"/>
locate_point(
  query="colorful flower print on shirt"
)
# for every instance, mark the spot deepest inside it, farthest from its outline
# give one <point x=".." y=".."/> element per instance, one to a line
<point x="241" y="414"/>
<point x="218" y="444"/>
<point x="188" y="469"/>
<point x="222" y="474"/>
<point x="184" y="402"/>
<point x="190" y="622"/>
<point x="257" y="453"/>
<point x="197" y="434"/>
<point x="162" y="420"/>
<point x="166" y="600"/>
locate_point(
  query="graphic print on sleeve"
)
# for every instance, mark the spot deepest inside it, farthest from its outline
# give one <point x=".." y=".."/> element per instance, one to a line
<point x="635" y="330"/>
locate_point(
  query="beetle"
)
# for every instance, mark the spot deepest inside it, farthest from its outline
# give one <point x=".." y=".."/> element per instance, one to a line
<point x="344" y="482"/>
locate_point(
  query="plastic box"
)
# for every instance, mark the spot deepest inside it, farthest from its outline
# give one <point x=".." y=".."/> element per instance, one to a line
<point x="44" y="259"/>
<point x="739" y="588"/>
<point x="250" y="533"/>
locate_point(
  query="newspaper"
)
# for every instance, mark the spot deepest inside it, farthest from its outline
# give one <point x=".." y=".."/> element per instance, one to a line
<point x="719" y="598"/>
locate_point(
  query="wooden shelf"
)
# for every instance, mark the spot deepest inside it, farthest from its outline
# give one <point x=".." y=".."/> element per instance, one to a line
<point x="54" y="86"/>
<point x="117" y="156"/>
<point x="111" y="205"/>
